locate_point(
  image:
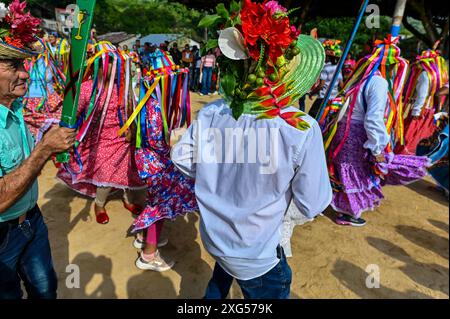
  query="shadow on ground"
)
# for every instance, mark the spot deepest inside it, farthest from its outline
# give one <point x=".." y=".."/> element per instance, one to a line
<point x="57" y="212"/>
<point x="354" y="278"/>
<point x="429" y="190"/>
<point x="425" y="239"/>
<point x="193" y="271"/>
<point x="432" y="276"/>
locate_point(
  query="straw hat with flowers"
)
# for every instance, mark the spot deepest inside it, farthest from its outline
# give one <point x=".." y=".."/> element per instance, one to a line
<point x="266" y="63"/>
<point x="18" y="32"/>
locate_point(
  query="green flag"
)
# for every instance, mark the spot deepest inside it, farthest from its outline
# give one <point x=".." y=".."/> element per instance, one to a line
<point x="82" y="20"/>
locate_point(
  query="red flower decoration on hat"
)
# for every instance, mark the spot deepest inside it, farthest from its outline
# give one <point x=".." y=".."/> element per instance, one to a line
<point x="258" y="24"/>
<point x="14" y="42"/>
<point x="22" y="26"/>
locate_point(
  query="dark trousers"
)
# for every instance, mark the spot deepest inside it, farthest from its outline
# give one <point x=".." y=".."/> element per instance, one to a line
<point x="275" y="284"/>
<point x="195" y="77"/>
<point x="315" y="108"/>
<point x="25" y="255"/>
<point x="302" y="103"/>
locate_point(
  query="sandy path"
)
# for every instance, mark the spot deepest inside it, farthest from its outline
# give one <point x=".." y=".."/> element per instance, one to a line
<point x="407" y="238"/>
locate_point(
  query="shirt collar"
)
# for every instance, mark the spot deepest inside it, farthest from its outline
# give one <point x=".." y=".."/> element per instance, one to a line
<point x="4" y="112"/>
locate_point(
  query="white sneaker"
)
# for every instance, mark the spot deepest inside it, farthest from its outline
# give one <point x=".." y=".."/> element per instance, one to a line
<point x="140" y="244"/>
<point x="156" y="264"/>
<point x="200" y="93"/>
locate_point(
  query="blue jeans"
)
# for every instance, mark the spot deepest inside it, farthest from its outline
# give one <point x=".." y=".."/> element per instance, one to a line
<point x="275" y="284"/>
<point x="206" y="80"/>
<point x="25" y="255"/>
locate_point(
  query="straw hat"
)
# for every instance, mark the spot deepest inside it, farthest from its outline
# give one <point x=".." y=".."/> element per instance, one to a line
<point x="305" y="67"/>
<point x="19" y="42"/>
<point x="266" y="64"/>
<point x="8" y="51"/>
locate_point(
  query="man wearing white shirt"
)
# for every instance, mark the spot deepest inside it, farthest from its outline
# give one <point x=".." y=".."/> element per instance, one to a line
<point x="243" y="190"/>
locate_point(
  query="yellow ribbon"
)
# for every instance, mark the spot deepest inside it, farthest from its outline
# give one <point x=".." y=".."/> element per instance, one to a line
<point x="139" y="107"/>
<point x="330" y="138"/>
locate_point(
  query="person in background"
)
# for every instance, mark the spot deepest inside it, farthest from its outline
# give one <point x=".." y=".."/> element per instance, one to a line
<point x="216" y="73"/>
<point x="175" y="54"/>
<point x="195" y="68"/>
<point x="125" y="49"/>
<point x="94" y="36"/>
<point x="349" y="66"/>
<point x="333" y="53"/>
<point x="162" y="46"/>
<point x="208" y="62"/>
<point x="428" y="75"/>
<point x="59" y="49"/>
<point x="145" y="55"/>
<point x="360" y="154"/>
<point x="186" y="56"/>
<point x="138" y="48"/>
<point x="107" y="158"/>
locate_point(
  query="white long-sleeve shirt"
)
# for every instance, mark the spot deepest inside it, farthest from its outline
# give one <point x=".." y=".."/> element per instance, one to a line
<point x="422" y="92"/>
<point x="327" y="76"/>
<point x="376" y="97"/>
<point x="243" y="188"/>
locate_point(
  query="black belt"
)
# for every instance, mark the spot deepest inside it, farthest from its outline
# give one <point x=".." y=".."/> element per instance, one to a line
<point x="15" y="221"/>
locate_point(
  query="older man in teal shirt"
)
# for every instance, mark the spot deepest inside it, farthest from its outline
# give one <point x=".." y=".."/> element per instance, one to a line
<point x="24" y="246"/>
<point x="15" y="145"/>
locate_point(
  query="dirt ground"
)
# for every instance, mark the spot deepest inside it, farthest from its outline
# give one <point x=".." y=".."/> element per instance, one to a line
<point x="407" y="239"/>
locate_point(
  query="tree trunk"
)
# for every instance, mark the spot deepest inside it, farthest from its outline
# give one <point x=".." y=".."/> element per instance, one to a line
<point x="426" y="17"/>
<point x="305" y="11"/>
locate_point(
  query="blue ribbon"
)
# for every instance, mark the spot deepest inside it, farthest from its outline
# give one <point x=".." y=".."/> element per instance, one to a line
<point x="75" y="151"/>
<point x="119" y="68"/>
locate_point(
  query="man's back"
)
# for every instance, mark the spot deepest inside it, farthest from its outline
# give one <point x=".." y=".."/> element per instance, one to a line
<point x="246" y="172"/>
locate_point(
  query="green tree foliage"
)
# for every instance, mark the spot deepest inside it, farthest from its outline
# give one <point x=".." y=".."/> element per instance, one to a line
<point x="133" y="16"/>
<point x="146" y="16"/>
<point x="340" y="28"/>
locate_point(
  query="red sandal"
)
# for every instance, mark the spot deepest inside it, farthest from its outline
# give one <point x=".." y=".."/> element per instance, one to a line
<point x="101" y="216"/>
<point x="135" y="209"/>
